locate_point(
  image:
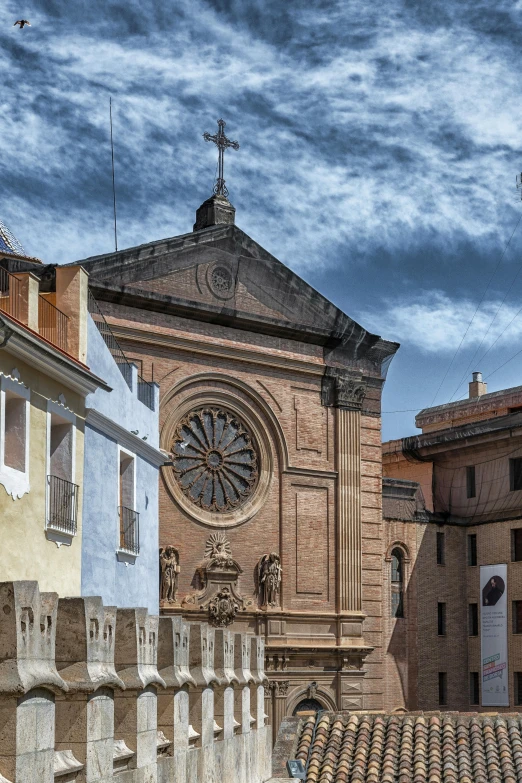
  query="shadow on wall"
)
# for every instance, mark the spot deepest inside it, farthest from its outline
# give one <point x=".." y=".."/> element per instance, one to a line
<point x="425" y="606"/>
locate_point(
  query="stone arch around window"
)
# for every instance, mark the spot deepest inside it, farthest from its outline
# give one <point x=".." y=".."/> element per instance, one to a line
<point x="300" y="695"/>
<point x="215" y="390"/>
<point x="398" y="557"/>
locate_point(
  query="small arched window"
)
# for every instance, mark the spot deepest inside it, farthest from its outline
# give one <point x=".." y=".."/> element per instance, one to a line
<point x="397" y="583"/>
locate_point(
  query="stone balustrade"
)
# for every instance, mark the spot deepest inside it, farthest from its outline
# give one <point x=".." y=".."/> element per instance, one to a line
<point x="91" y="693"/>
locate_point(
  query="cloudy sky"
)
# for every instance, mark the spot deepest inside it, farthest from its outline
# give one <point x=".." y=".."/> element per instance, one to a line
<point x="379" y="148"/>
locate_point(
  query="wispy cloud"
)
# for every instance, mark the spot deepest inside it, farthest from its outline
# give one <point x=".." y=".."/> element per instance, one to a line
<point x="436" y="324"/>
<point x="363" y="130"/>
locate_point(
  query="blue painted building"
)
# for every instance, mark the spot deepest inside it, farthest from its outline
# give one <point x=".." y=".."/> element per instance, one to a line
<point x="120" y="498"/>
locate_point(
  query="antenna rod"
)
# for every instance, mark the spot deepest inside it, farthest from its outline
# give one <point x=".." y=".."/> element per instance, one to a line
<point x="113" y="181"/>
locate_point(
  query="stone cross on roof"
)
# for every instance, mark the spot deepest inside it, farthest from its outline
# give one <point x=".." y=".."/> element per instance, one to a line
<point x="222" y="143"/>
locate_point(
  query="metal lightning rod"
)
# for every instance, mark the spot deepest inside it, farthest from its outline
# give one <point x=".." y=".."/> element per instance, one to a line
<point x="113" y="180"/>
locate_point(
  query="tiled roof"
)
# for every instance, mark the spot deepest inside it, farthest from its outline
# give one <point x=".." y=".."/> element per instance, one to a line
<point x="412" y="748"/>
<point x="8" y="242"/>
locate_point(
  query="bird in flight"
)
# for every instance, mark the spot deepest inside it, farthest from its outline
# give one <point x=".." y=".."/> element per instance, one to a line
<point x="22" y="23"/>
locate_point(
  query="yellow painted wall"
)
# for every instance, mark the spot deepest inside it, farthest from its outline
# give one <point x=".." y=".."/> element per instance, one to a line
<point x="25" y="551"/>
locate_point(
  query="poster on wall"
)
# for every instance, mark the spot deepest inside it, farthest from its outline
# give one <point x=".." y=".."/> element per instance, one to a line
<point x="493" y="634"/>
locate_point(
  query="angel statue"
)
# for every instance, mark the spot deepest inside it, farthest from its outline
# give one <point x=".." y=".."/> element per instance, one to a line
<point x="169" y="570"/>
<point x="270" y="571"/>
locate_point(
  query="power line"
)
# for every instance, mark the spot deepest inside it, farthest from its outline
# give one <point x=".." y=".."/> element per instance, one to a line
<point x="113" y="180"/>
<point x="476" y="311"/>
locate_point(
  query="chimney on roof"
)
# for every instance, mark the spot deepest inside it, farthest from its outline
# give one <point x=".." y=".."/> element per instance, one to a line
<point x="477" y="387"/>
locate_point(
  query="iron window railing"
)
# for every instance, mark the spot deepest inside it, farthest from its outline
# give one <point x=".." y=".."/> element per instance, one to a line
<point x="129" y="530"/>
<point x="63" y="505"/>
<point x="145" y="389"/>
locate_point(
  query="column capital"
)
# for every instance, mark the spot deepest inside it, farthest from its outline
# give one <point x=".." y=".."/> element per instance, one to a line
<point x="281" y="688"/>
<point x="343" y="389"/>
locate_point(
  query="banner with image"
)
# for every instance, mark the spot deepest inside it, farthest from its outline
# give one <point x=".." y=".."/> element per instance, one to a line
<point x="493" y="634"/>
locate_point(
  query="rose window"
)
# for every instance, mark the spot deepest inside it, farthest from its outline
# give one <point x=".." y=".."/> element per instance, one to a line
<point x="221" y="280"/>
<point x="215" y="461"/>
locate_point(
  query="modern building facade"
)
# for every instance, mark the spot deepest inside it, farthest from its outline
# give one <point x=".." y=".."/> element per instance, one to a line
<point x="270" y="506"/>
<point x="452" y="503"/>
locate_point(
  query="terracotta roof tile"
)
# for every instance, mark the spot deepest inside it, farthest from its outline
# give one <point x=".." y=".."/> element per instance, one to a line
<point x="412" y="748"/>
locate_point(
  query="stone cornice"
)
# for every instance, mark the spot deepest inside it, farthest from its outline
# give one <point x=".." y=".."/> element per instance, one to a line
<point x="125" y="438"/>
<point x="21" y="343"/>
<point x="233" y="352"/>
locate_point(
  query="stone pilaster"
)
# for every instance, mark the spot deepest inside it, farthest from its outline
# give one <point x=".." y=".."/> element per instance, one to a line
<point x="344" y="390"/>
<point x="280" y="693"/>
<point x="349" y="508"/>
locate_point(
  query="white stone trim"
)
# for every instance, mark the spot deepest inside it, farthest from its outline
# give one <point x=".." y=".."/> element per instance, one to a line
<point x="129" y="441"/>
<point x="49" y="360"/>
<point x="15" y="482"/>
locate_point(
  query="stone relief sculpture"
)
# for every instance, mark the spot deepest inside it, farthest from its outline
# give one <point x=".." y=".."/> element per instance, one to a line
<point x="169" y="570"/>
<point x="269" y="579"/>
<point x="218" y="553"/>
<point x="222" y="608"/>
<point x="219" y="573"/>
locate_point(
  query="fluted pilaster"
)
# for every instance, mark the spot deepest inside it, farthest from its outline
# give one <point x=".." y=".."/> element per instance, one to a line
<point x="348" y="444"/>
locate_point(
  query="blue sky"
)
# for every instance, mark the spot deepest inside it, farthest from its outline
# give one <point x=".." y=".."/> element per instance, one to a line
<point x="379" y="147"/>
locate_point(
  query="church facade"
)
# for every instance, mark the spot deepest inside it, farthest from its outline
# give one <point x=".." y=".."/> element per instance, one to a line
<point x="270" y="503"/>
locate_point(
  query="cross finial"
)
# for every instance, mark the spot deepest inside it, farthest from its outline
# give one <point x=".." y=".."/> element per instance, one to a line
<point x="222" y="143"/>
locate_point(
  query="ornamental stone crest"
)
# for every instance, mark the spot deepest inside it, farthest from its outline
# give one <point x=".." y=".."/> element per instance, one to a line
<point x="215" y="460"/>
<point x="222" y="608"/>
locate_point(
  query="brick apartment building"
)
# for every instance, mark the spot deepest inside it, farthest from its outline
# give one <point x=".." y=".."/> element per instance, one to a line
<point x="247" y="353"/>
<point x="452" y="502"/>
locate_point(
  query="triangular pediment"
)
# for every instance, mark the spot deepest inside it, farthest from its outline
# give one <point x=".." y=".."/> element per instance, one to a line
<point x="221" y="272"/>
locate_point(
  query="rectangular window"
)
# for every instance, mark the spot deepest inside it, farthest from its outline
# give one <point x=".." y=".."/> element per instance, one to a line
<point x="473" y="619"/>
<point x="441" y="619"/>
<point x="472" y="549"/>
<point x="516" y="544"/>
<point x="129" y="517"/>
<point x="515" y="474"/>
<point x="126" y="480"/>
<point x="518" y="687"/>
<point x="15" y="431"/>
<point x="62" y="493"/>
<point x="470" y="481"/>
<point x="517" y="616"/>
<point x="440" y="549"/>
<point x="443" y="688"/>
<point x="474" y="696"/>
<point x="61" y="448"/>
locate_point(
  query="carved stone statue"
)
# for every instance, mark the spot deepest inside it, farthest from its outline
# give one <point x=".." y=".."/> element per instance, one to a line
<point x="269" y="570"/>
<point x="169" y="568"/>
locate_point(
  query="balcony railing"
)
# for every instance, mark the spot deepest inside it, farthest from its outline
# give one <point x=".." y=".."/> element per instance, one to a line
<point x="10" y="295"/>
<point x="52" y="323"/>
<point x="129" y="530"/>
<point x="63" y="505"/>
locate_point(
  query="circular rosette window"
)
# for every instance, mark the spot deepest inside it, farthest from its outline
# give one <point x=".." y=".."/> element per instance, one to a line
<point x="215" y="460"/>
